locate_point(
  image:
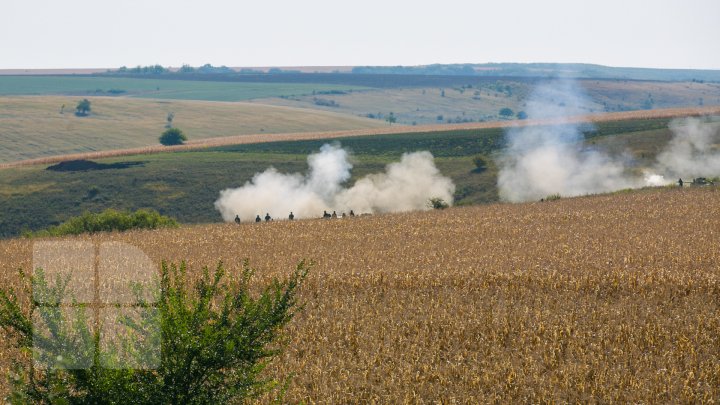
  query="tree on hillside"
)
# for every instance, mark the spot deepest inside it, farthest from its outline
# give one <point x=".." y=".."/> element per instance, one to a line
<point x="506" y="112"/>
<point x="186" y="69"/>
<point x="83" y="108"/>
<point x="170" y="117"/>
<point x="391" y="118"/>
<point x="173" y="136"/>
<point x="522" y="115"/>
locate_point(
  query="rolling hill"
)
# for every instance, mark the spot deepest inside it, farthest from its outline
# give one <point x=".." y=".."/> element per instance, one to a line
<point x="34" y="127"/>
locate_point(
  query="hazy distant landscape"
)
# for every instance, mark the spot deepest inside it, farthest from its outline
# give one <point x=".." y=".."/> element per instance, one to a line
<point x="131" y="107"/>
<point x="36" y="125"/>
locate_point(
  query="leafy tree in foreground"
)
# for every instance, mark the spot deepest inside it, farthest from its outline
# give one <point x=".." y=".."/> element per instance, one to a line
<point x="215" y="340"/>
<point x="173" y="136"/>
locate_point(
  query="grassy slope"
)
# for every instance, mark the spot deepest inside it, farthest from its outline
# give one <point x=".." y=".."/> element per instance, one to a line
<point x="185" y="184"/>
<point x="33" y="126"/>
<point x="570" y="301"/>
<point x="153" y="88"/>
<point x="412" y="103"/>
<point x="483" y="102"/>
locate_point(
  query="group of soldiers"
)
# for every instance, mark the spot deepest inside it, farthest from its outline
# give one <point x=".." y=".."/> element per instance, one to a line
<point x="335" y="215"/>
<point x="291" y="217"/>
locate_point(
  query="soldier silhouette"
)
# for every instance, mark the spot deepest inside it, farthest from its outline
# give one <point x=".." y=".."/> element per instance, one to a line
<point x="267" y="217"/>
<point x="237" y="219"/>
<point x="257" y="218"/>
<point x="291" y="216"/>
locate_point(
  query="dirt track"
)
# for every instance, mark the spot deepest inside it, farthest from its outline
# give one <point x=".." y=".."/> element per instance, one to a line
<point x="262" y="138"/>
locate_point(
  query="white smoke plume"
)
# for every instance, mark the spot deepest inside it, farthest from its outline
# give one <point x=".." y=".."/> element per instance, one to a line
<point x="544" y="160"/>
<point x="404" y="186"/>
<point x="694" y="151"/>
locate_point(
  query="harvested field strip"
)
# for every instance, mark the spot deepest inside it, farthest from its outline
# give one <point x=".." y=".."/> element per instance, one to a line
<point x="262" y="138"/>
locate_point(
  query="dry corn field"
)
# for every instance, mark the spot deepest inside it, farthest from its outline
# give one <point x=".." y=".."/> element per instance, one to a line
<point x="610" y="298"/>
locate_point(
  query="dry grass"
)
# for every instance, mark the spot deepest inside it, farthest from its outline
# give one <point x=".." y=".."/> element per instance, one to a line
<point x="33" y="127"/>
<point x="483" y="102"/>
<point x="596" y="299"/>
<point x="384" y="130"/>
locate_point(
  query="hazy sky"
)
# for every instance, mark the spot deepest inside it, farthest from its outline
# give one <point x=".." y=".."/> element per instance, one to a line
<point x="102" y="33"/>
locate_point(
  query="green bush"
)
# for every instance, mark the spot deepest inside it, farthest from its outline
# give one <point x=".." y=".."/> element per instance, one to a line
<point x="107" y="221"/>
<point x="215" y="340"/>
<point x="506" y="112"/>
<point x="437" y="203"/>
<point x="481" y="163"/>
<point x="553" y="197"/>
<point x="172" y="136"/>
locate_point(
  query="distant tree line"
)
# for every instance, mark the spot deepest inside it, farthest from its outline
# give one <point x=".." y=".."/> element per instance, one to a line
<point x="436" y="69"/>
<point x="187" y="69"/>
<point x="144" y="70"/>
<point x="514" y="70"/>
<point x="323" y="102"/>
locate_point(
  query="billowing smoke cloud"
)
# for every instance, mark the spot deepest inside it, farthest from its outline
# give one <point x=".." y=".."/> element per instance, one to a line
<point x="545" y="160"/>
<point x="694" y="151"/>
<point x="404" y="186"/>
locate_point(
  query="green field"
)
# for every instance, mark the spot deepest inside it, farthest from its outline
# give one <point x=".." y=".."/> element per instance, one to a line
<point x="154" y="88"/>
<point x="186" y="184"/>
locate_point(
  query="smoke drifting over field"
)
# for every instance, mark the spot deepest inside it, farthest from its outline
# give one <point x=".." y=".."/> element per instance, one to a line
<point x="545" y="160"/>
<point x="404" y="186"/>
<point x="694" y="151"/>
